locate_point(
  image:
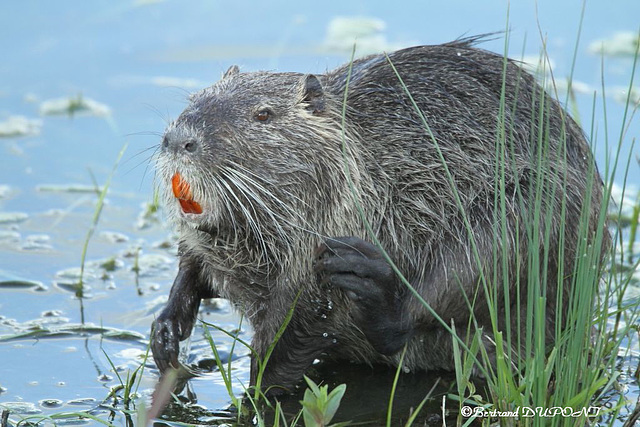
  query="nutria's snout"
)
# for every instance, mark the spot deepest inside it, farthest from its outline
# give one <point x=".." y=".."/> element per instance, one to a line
<point x="180" y="148"/>
<point x="176" y="142"/>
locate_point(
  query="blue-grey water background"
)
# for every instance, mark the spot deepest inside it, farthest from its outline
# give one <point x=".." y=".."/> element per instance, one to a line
<point x="134" y="63"/>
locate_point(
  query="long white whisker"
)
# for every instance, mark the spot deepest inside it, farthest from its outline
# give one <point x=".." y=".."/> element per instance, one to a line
<point x="303" y="226"/>
<point x="289" y="210"/>
<point x="253" y="195"/>
<point x="256" y="179"/>
<point x="249" y="213"/>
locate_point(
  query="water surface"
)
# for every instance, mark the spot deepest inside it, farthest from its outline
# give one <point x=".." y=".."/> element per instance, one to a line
<point x="123" y="70"/>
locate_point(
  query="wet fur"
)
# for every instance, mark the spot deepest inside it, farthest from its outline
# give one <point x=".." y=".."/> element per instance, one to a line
<point x="274" y="192"/>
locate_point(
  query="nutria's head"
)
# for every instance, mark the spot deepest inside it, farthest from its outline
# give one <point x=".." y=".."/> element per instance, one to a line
<point x="255" y="154"/>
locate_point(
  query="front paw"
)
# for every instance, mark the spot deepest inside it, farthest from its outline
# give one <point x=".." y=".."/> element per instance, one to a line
<point x="165" y="343"/>
<point x="362" y="271"/>
<point x="359" y="268"/>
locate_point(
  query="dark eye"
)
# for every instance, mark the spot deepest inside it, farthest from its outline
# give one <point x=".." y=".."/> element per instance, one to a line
<point x="263" y="115"/>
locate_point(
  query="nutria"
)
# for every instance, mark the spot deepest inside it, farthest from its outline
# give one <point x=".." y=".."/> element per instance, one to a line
<point x="266" y="204"/>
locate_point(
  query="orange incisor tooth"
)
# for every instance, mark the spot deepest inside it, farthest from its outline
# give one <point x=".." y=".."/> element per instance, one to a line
<point x="181" y="188"/>
<point x="189" y="206"/>
<point x="182" y="191"/>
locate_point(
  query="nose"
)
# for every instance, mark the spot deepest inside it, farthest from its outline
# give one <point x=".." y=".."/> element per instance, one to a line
<point x="178" y="143"/>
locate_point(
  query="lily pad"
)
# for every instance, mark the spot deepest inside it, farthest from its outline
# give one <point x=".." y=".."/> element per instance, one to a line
<point x="21" y="284"/>
<point x="33" y="330"/>
<point x="114" y="236"/>
<point x="8" y="236"/>
<point x="343" y="31"/>
<point x="153" y="264"/>
<point x="51" y="403"/>
<point x="17" y="126"/>
<point x="67" y="188"/>
<point x="23" y="408"/>
<point x="79" y="105"/>
<point x="5" y="190"/>
<point x="37" y="242"/>
<point x="622" y="43"/>
<point x="12" y="217"/>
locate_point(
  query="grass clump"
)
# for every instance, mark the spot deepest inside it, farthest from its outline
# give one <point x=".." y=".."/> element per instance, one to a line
<point x="530" y="383"/>
<point x="570" y="381"/>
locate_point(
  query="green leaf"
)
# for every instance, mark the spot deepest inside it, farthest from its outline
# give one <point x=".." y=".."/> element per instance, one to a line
<point x="333" y="402"/>
<point x="313" y="386"/>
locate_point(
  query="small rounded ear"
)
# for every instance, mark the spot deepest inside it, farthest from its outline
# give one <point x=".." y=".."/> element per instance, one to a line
<point x="312" y="94"/>
<point x="232" y="71"/>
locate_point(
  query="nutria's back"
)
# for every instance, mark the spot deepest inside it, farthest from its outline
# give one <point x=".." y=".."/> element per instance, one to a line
<point x="484" y="114"/>
<point x="270" y="183"/>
